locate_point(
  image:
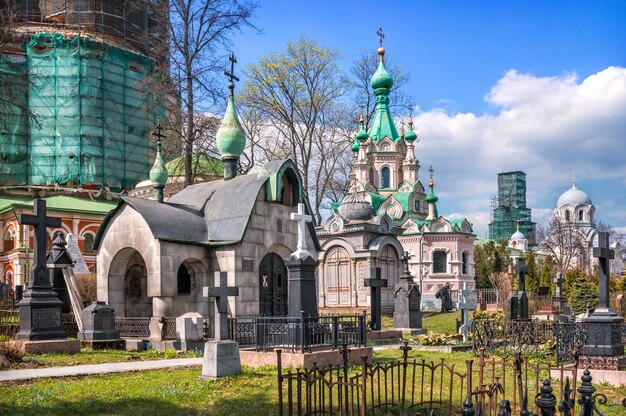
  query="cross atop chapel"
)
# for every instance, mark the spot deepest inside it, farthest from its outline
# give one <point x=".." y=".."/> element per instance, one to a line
<point x="302" y="218"/>
<point x="231" y="75"/>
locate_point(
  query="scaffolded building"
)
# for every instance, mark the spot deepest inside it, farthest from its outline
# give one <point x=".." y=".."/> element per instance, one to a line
<point x="76" y="114"/>
<point x="80" y="111"/>
<point x="510" y="210"/>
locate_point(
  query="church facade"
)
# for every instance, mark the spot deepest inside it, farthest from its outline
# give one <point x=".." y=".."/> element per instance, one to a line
<point x="155" y="256"/>
<point x="387" y="218"/>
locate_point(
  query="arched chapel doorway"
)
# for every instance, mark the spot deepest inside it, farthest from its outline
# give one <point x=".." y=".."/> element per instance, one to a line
<point x="128" y="284"/>
<point x="272" y="286"/>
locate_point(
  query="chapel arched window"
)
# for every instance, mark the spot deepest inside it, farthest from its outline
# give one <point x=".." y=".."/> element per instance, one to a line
<point x="385" y="177"/>
<point x="440" y="261"/>
<point x="184" y="280"/>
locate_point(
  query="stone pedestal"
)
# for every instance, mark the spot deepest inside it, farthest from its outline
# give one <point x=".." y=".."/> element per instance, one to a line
<point x="603" y="334"/>
<point x="157" y="329"/>
<point x="302" y="289"/>
<point x="406" y="312"/>
<point x="98" y="323"/>
<point x="189" y="327"/>
<point x="518" y="306"/>
<point x="221" y="358"/>
<point x="40" y="315"/>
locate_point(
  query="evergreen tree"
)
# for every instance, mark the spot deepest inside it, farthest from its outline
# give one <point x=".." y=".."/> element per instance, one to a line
<point x="582" y="292"/>
<point x="545" y="280"/>
<point x="532" y="279"/>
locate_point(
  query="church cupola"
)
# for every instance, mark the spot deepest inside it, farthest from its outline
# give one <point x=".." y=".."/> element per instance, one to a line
<point x="410" y="165"/>
<point x="382" y="125"/>
<point x="432" y="199"/>
<point x="230" y="137"/>
<point x="158" y="173"/>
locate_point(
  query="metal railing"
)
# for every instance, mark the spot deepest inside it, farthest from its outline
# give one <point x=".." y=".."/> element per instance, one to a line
<point x="298" y="333"/>
<point x="133" y="327"/>
<point x="594" y="345"/>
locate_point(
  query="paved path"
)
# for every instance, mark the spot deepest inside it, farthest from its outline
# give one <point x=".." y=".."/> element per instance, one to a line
<point x="88" y="369"/>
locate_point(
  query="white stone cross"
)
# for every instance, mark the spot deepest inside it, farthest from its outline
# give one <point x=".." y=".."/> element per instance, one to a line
<point x="302" y="219"/>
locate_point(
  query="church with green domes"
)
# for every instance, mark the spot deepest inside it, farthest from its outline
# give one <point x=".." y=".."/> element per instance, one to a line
<point x="387" y="218"/>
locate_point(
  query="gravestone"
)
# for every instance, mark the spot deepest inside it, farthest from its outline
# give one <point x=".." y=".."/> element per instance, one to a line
<point x="301" y="266"/>
<point x="189" y="332"/>
<point x="603" y="336"/>
<point x="80" y="266"/>
<point x="406" y="311"/>
<point x="40" y="309"/>
<point x="99" y="324"/>
<point x="376" y="284"/>
<point x="468" y="303"/>
<point x="518" y="304"/>
<point x="57" y="259"/>
<point x="221" y="356"/>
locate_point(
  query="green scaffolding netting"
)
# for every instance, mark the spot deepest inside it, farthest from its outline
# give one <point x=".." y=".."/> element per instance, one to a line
<point x="81" y="113"/>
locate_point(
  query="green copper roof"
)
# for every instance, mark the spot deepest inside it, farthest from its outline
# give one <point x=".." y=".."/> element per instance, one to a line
<point x="459" y="222"/>
<point x="158" y="173"/>
<point x="377" y="199"/>
<point x="203" y="165"/>
<point x="403" y="199"/>
<point x="230" y="137"/>
<point x="383" y="125"/>
<point x="68" y="203"/>
<point x="355" y="145"/>
<point x="431" y="197"/>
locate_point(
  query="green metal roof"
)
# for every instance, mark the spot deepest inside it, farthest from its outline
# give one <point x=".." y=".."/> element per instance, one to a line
<point x="377" y="199"/>
<point x="68" y="203"/>
<point x="403" y="199"/>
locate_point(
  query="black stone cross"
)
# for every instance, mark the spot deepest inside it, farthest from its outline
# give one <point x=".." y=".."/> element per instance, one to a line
<point x="221" y="294"/>
<point x="375" y="286"/>
<point x="39" y="221"/>
<point x="559" y="284"/>
<point x="231" y="75"/>
<point x="521" y="270"/>
<point x="406" y="273"/>
<point x="604" y="254"/>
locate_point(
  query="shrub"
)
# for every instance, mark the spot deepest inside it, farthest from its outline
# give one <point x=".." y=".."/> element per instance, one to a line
<point x="439" y="339"/>
<point x="497" y="315"/>
<point x="13" y="351"/>
<point x="87" y="287"/>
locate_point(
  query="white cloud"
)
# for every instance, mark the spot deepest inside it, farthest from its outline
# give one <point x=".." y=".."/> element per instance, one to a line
<point x="546" y="126"/>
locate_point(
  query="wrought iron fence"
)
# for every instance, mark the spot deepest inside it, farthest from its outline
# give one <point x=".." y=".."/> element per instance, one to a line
<point x="298" y="333"/>
<point x="487" y="296"/>
<point x="483" y="387"/>
<point x="590" y="343"/>
<point x="510" y="336"/>
<point x="133" y="327"/>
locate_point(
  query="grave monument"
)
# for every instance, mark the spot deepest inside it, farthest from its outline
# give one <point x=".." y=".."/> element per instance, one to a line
<point x="221" y="356"/>
<point x="407" y="313"/>
<point x="604" y="324"/>
<point x="375" y="285"/>
<point x="40" y="309"/>
<point x="518" y="309"/>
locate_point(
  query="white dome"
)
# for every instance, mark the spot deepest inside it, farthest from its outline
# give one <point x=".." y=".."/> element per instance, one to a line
<point x="517" y="235"/>
<point x="574" y="196"/>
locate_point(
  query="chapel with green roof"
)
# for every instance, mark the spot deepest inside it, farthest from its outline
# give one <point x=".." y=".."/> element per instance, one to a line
<point x="387" y="213"/>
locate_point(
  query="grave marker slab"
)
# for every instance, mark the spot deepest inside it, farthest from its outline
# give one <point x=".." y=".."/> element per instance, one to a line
<point x="375" y="285"/>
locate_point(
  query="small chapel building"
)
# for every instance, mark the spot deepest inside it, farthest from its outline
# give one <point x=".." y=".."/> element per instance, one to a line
<point x="387" y="218"/>
<point x="155" y="256"/>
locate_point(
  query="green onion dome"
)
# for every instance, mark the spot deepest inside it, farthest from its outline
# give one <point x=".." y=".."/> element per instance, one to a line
<point x="410" y="135"/>
<point x="158" y="173"/>
<point x="381" y="78"/>
<point x="230" y="137"/>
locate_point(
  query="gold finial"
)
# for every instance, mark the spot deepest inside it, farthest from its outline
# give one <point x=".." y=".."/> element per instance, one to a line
<point x="430" y="182"/>
<point x="381" y="36"/>
<point x="410" y="117"/>
<point x="362" y="119"/>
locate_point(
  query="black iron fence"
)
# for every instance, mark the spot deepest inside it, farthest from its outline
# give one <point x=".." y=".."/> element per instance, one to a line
<point x="298" y="333"/>
<point x="414" y="386"/>
<point x="576" y="341"/>
<point x="511" y="336"/>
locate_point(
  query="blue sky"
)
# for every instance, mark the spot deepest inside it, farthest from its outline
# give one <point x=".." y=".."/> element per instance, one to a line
<point x="538" y="86"/>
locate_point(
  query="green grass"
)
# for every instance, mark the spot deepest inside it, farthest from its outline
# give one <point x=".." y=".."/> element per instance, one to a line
<point x="442" y="322"/>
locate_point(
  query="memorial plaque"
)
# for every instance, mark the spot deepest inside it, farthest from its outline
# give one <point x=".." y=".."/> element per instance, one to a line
<point x="98" y="323"/>
<point x="414" y="301"/>
<point x="247" y="265"/>
<point x="46" y="318"/>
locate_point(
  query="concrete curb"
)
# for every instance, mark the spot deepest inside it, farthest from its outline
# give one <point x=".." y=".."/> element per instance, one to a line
<point x="90" y="369"/>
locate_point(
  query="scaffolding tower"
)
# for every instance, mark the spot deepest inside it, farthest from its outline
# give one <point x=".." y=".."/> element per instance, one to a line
<point x="510" y="210"/>
<point x="81" y="112"/>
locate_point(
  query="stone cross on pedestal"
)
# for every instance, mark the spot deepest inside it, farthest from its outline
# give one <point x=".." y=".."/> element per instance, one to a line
<point x="406" y="273"/>
<point x="521" y="271"/>
<point x="39" y="221"/>
<point x="604" y="254"/>
<point x="221" y="295"/>
<point x="375" y="286"/>
<point x="302" y="219"/>
<point x="40" y="309"/>
<point x="559" y="284"/>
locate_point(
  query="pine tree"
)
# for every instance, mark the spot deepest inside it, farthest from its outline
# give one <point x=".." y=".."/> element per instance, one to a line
<point x="582" y="291"/>
<point x="532" y="279"/>
<point x="545" y="280"/>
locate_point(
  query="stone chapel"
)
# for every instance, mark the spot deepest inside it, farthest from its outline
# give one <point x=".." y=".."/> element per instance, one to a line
<point x="155" y="256"/>
<point x="387" y="218"/>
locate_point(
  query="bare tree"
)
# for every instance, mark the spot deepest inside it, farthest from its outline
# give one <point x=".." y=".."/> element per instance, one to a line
<point x="363" y="95"/>
<point x="292" y="104"/>
<point x="197" y="34"/>
<point x="565" y="242"/>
